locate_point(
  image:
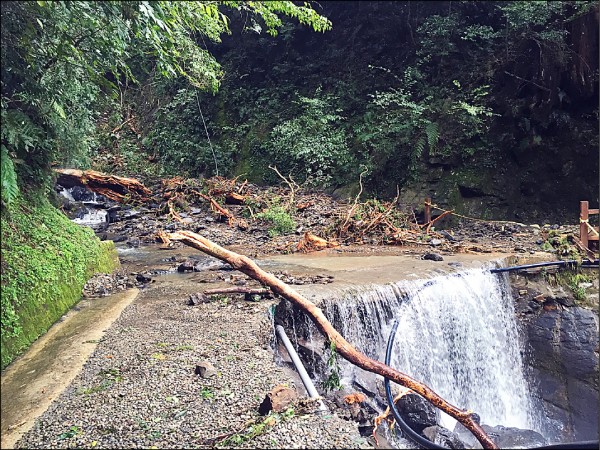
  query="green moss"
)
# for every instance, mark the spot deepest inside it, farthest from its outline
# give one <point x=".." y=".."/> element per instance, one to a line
<point x="46" y="260"/>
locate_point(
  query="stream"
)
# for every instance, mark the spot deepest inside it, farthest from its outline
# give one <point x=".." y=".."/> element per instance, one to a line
<point x="457" y="327"/>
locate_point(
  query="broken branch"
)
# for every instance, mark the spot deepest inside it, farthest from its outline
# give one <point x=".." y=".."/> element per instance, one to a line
<point x="238" y="290"/>
<point x="343" y="347"/>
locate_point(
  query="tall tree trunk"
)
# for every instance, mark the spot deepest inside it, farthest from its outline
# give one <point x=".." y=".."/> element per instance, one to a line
<point x="343" y="347"/>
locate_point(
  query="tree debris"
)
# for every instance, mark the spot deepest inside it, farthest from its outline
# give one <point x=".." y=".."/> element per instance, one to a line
<point x="311" y="242"/>
<point x="119" y="189"/>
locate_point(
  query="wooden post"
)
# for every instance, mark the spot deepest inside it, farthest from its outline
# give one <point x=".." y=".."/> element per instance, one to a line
<point x="583" y="227"/>
<point x="427" y="210"/>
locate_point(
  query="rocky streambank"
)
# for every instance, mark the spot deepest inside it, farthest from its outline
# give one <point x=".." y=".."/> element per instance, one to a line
<point x="561" y="332"/>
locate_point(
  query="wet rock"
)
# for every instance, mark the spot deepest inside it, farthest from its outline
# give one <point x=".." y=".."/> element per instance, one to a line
<point x="205" y="369"/>
<point x="81" y="194"/>
<point x="510" y="437"/>
<point x="277" y="400"/>
<point x="187" y="266"/>
<point x="133" y="242"/>
<point x="198" y="298"/>
<point x="417" y="412"/>
<point x="131" y="214"/>
<point x="142" y="278"/>
<point x="441" y="436"/>
<point x="433" y="257"/>
<point x="113" y="215"/>
<point x="447" y="235"/>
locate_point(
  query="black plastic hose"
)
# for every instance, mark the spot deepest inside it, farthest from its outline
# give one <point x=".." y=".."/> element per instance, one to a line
<point x="408" y="431"/>
<point x="426" y="443"/>
<point x="570" y="262"/>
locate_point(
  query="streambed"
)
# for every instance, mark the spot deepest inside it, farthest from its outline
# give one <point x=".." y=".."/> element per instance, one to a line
<point x="155" y="344"/>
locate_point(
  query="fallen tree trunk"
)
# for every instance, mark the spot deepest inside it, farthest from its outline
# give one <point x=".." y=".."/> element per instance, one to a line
<point x="113" y="187"/>
<point x="343" y="347"/>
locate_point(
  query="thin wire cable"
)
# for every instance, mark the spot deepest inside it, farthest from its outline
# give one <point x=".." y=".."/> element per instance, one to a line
<point x="208" y="136"/>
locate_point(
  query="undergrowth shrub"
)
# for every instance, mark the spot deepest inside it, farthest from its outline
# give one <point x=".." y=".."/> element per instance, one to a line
<point x="179" y="139"/>
<point x="281" y="220"/>
<point x="312" y="146"/>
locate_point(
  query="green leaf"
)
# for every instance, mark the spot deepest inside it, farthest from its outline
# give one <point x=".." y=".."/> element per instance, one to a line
<point x="10" y="188"/>
<point x="59" y="110"/>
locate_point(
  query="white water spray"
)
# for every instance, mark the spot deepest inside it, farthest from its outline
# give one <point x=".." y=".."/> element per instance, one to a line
<point x="456" y="333"/>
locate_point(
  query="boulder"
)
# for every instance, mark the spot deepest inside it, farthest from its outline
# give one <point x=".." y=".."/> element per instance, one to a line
<point x="277" y="400"/>
<point x="441" y="436"/>
<point x="417" y="412"/>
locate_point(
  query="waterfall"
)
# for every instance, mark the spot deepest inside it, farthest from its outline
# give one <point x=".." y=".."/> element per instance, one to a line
<point x="457" y="334"/>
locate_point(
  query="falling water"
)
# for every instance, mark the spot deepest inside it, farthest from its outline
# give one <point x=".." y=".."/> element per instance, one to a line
<point x="456" y="333"/>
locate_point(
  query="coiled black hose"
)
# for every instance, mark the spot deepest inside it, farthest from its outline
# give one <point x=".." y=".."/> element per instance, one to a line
<point x="426" y="443"/>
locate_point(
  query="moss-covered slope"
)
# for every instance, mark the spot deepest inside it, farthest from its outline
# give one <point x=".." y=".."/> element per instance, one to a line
<point x="46" y="259"/>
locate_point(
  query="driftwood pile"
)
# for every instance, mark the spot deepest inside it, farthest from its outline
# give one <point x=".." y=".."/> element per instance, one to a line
<point x="238" y="203"/>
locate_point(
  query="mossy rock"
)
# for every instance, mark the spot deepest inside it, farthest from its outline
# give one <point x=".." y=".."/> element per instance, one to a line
<point x="46" y="260"/>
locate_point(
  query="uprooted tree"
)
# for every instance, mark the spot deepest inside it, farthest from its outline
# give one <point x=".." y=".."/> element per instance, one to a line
<point x="111" y="186"/>
<point x="343" y="347"/>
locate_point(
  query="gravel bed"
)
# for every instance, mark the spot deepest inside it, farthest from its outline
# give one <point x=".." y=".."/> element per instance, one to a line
<point x="139" y="388"/>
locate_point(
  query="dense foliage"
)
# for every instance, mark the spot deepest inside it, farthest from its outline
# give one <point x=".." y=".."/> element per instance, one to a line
<point x="66" y="67"/>
<point x="473" y="90"/>
<point x="63" y="62"/>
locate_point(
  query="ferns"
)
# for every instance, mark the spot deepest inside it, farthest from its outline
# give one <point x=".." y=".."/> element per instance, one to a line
<point x="10" y="188"/>
<point x="433" y="134"/>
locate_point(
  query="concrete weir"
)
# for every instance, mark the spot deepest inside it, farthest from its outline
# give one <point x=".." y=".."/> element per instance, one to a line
<point x="357" y="269"/>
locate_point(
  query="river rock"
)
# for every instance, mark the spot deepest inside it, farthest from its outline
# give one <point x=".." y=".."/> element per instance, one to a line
<point x="205" y="369"/>
<point x="510" y="437"/>
<point x="198" y="298"/>
<point x="417" y="412"/>
<point x="433" y="257"/>
<point x="503" y="437"/>
<point x="81" y="194"/>
<point x="447" y="235"/>
<point x="133" y="243"/>
<point x="143" y="278"/>
<point x="189" y="265"/>
<point x="278" y="399"/>
<point x="441" y="436"/>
